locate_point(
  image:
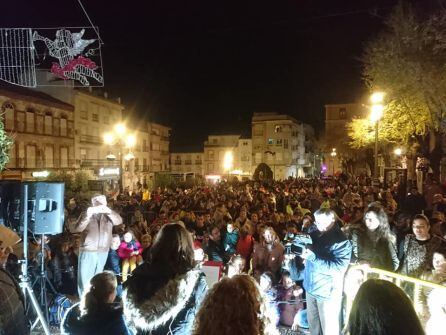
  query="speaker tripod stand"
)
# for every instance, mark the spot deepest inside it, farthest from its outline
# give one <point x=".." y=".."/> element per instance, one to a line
<point x="42" y="281"/>
<point x="25" y="283"/>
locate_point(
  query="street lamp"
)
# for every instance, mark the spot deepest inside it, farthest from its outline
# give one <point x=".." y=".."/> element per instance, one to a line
<point x="120" y="137"/>
<point x="333" y="156"/>
<point x="376" y="113"/>
<point x="273" y="154"/>
<point x="228" y="161"/>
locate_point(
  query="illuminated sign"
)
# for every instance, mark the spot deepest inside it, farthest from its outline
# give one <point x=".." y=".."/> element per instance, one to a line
<point x="109" y="171"/>
<point x="40" y="174"/>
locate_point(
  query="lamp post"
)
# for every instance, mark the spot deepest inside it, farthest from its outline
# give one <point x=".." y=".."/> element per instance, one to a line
<point x="376" y="113"/>
<point x="273" y="154"/>
<point x="228" y="162"/>
<point x="120" y="137"/>
<point x="333" y="156"/>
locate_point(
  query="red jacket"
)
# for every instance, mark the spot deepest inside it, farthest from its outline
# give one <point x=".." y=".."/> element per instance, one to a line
<point x="245" y="246"/>
<point x="125" y="249"/>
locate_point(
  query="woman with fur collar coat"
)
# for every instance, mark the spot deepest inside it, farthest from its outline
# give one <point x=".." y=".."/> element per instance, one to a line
<point x="164" y="293"/>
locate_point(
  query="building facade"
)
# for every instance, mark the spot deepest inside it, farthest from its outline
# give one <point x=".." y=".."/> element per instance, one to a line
<point x="42" y="129"/>
<point x="243" y="161"/>
<point x="187" y="164"/>
<point x="219" y="154"/>
<point x="159" y="147"/>
<point x="277" y="141"/>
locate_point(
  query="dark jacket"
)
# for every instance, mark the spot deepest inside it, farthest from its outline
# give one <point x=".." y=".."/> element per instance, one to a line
<point x="157" y="305"/>
<point x="12" y="311"/>
<point x="382" y="254"/>
<point x="113" y="262"/>
<point x="216" y="252"/>
<point x="230" y="242"/>
<point x="325" y="269"/>
<point x="107" y="321"/>
<point x="64" y="274"/>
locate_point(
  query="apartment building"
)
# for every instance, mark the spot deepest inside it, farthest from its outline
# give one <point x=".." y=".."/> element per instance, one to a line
<point x="188" y="163"/>
<point x="42" y="128"/>
<point x="219" y="154"/>
<point x="277" y="141"/>
<point x="159" y="147"/>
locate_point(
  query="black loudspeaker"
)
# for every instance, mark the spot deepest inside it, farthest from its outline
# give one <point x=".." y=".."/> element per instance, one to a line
<point x="10" y="193"/>
<point x="45" y="207"/>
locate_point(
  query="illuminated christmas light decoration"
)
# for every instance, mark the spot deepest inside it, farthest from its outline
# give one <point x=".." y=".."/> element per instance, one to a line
<point x="24" y="51"/>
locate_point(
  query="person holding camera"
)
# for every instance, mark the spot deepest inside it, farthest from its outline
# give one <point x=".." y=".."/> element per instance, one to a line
<point x="95" y="226"/>
<point x="325" y="264"/>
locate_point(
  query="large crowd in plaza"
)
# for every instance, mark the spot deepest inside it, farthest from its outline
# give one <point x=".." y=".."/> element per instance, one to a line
<point x="286" y="250"/>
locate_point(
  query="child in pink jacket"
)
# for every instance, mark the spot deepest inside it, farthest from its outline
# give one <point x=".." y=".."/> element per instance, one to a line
<point x="130" y="253"/>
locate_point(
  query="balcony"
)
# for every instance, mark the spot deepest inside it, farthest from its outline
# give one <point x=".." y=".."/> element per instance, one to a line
<point x="93" y="163"/>
<point x="90" y="139"/>
<point x="177" y="162"/>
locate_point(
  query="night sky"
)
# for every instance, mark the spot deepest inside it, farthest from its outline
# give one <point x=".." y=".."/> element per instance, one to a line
<point x="203" y="67"/>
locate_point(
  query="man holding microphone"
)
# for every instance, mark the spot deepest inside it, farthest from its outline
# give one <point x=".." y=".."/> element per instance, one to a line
<point x="95" y="226"/>
<point x="326" y="262"/>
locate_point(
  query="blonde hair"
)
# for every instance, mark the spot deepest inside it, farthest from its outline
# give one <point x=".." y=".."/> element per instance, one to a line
<point x="234" y="306"/>
<point x="101" y="286"/>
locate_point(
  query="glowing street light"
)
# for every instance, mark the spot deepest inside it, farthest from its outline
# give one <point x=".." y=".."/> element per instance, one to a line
<point x="377" y="98"/>
<point x="119" y="136"/>
<point x="398" y="151"/>
<point x="333" y="155"/>
<point x="228" y="160"/>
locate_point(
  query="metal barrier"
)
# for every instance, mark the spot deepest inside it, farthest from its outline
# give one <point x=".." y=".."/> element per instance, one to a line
<point x="357" y="274"/>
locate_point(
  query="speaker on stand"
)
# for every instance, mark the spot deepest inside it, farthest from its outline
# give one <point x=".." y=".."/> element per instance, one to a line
<point x="42" y="213"/>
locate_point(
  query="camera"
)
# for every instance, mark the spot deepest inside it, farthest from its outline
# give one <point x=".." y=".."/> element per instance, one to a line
<point x="297" y="243"/>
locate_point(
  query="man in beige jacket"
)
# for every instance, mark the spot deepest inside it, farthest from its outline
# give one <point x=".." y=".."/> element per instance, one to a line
<point x="95" y="225"/>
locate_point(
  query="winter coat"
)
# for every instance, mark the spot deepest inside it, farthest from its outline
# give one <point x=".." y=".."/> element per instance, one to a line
<point x="230" y="242"/>
<point x="113" y="262"/>
<point x="157" y="305"/>
<point x="416" y="256"/>
<point x="245" y="246"/>
<point x="325" y="268"/>
<point x="108" y="320"/>
<point x="215" y="252"/>
<point x="264" y="259"/>
<point x="125" y="249"/>
<point x="96" y="230"/>
<point x="13" y="319"/>
<point x="381" y="254"/>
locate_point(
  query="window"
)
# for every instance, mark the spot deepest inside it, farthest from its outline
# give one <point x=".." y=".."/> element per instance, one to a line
<point x="144" y="164"/>
<point x="95" y="117"/>
<point x="342" y="113"/>
<point x="49" y="156"/>
<point x="270" y="141"/>
<point x="106" y="119"/>
<point x="210" y="167"/>
<point x="279" y="142"/>
<point x="84" y="115"/>
<point x="258" y="158"/>
<point x="31" y="157"/>
<point x="63" y="126"/>
<point x="211" y="154"/>
<point x="8" y="110"/>
<point x="63" y="157"/>
<point x="214" y="141"/>
<point x="278" y="129"/>
<point x="83" y="154"/>
<point x="144" y="146"/>
<point x="48" y="124"/>
<point x="70" y="125"/>
<point x="30" y="119"/>
<point x="56" y="125"/>
<point x="245" y="144"/>
<point x="39" y="124"/>
<point x="20" y="121"/>
<point x="285" y="144"/>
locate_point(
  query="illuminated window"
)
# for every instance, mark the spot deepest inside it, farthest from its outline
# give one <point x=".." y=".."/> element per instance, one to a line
<point x="270" y="141"/>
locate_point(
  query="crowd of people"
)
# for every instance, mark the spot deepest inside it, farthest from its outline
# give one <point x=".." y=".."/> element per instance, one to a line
<point x="284" y="248"/>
